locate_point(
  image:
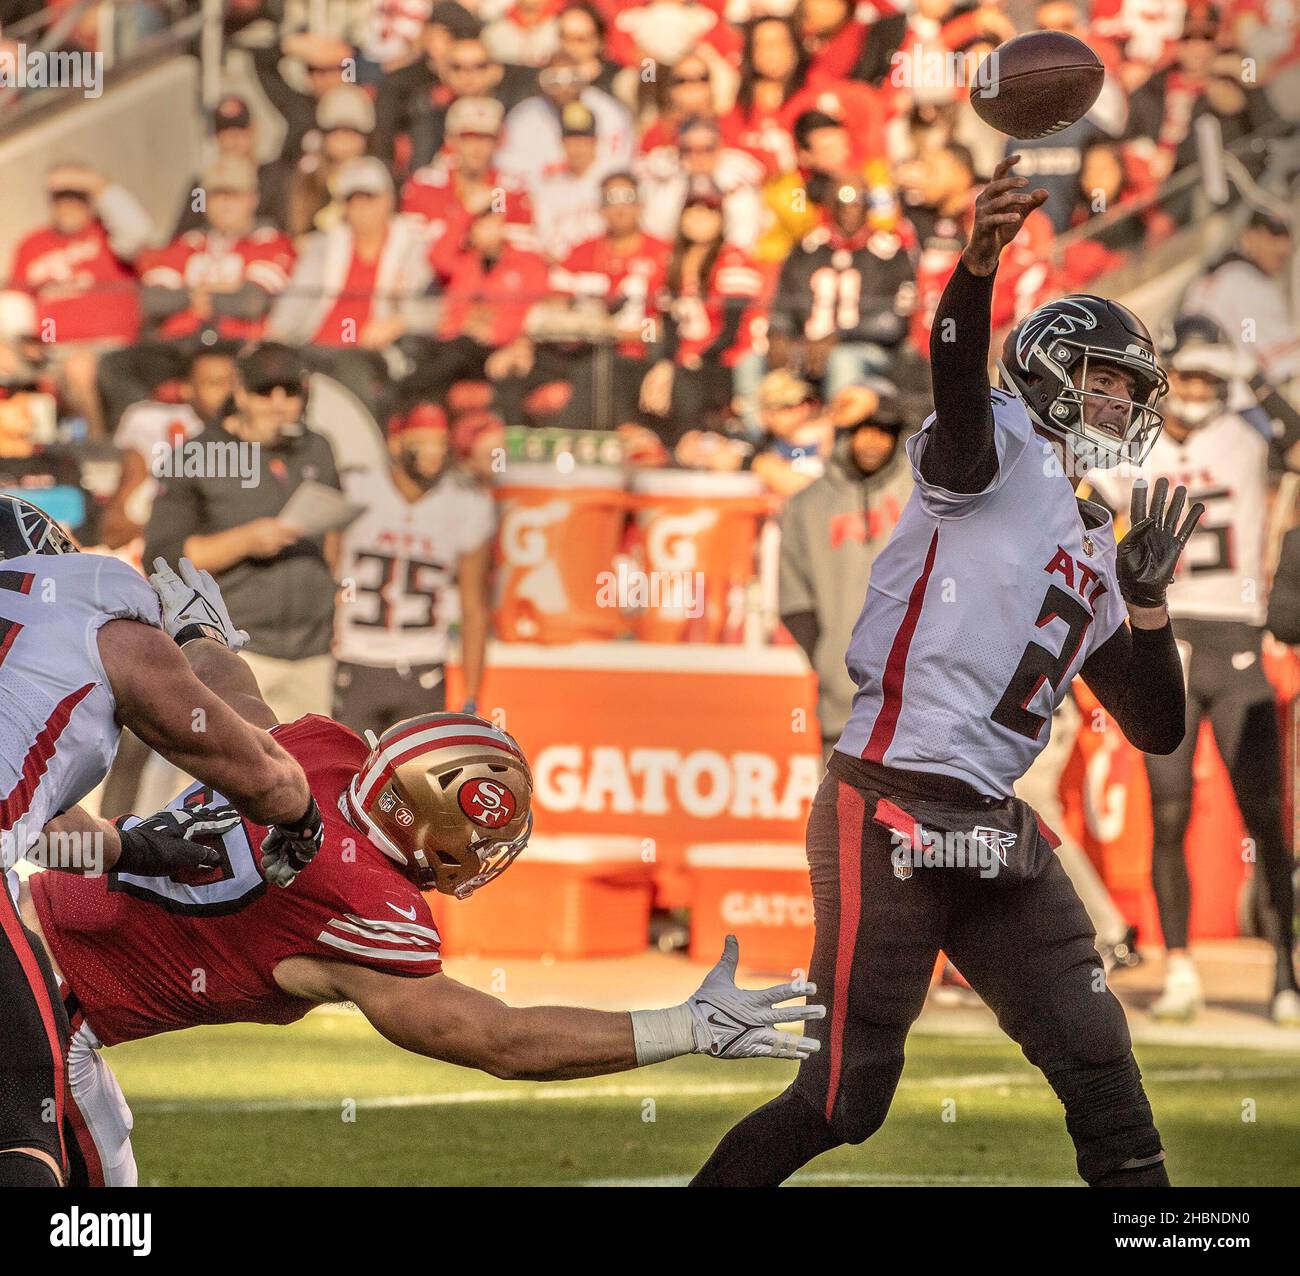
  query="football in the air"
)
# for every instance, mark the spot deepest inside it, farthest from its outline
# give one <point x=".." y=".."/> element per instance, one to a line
<point x="1036" y="84"/>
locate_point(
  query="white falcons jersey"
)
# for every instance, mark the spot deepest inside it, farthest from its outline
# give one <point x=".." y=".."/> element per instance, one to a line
<point x="1224" y="465"/>
<point x="57" y="729"/>
<point x="400" y="562"/>
<point x="980" y="611"/>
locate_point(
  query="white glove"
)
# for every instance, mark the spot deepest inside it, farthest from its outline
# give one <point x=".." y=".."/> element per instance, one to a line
<point x="192" y="605"/>
<point x="727" y="1022"/>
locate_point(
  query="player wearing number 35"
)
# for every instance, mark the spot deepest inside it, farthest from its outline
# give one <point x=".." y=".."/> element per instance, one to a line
<point x="998" y="587"/>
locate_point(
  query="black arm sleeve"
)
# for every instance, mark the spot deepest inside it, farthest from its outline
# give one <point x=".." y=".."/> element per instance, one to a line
<point x="1284" y="597"/>
<point x="1138" y="677"/>
<point x="804" y="630"/>
<point x="960" y="454"/>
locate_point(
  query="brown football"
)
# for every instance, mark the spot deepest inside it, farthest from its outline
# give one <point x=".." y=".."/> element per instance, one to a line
<point x="1037" y="84"/>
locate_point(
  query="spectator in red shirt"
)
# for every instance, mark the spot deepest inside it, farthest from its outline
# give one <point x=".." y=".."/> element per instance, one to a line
<point x="712" y="289"/>
<point x="773" y="68"/>
<point x="491" y="286"/>
<point x="214" y="283"/>
<point x="462" y="181"/>
<point x="358" y="288"/>
<point x="831" y="36"/>
<point x="80" y="272"/>
<point x="622" y="272"/>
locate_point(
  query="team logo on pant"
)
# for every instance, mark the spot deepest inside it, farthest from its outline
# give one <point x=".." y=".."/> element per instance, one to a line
<point x="487" y="802"/>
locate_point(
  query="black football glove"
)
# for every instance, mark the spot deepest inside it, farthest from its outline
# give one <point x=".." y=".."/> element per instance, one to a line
<point x="164" y="843"/>
<point x="1149" y="553"/>
<point x="288" y="848"/>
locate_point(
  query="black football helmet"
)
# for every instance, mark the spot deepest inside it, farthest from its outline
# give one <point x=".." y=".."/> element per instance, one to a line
<point x="1051" y="348"/>
<point x="27" y="529"/>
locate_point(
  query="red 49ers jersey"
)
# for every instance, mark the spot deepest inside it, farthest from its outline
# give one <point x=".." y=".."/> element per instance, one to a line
<point x="700" y="318"/>
<point x="145" y="955"/>
<point x="204" y="259"/>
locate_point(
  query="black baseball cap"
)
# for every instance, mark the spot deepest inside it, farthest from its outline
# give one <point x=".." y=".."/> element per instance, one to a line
<point x="269" y="365"/>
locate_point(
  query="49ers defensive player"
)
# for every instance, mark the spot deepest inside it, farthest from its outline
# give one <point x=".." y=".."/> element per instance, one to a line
<point x="81" y="656"/>
<point x="441" y="802"/>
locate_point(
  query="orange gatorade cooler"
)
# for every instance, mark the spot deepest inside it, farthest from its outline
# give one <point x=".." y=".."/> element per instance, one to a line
<point x="563" y="897"/>
<point x="697" y="534"/>
<point x="557" y="537"/>
<point x="757" y="891"/>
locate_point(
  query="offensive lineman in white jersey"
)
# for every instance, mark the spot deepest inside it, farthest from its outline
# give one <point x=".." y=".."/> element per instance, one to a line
<point x="1217" y="602"/>
<point x="423" y="545"/>
<point x="996" y="588"/>
<point x="81" y="656"/>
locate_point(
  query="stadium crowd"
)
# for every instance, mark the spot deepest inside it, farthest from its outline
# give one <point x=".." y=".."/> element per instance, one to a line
<point x="717" y="232"/>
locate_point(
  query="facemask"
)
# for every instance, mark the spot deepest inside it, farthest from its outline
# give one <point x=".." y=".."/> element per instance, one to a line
<point x="1193" y="415"/>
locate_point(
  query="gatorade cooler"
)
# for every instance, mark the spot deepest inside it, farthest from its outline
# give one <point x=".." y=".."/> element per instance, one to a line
<point x="697" y="534"/>
<point x="558" y="535"/>
<point x="563" y="897"/>
<point x="757" y="891"/>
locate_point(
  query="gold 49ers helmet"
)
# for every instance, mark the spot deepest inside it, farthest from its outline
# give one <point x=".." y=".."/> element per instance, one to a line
<point x="446" y="795"/>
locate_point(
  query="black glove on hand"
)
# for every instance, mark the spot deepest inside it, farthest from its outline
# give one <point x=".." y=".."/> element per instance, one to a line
<point x="288" y="848"/>
<point x="164" y="843"/>
<point x="1149" y="553"/>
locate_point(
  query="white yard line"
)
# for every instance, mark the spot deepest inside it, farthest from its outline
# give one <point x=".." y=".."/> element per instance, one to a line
<point x="689" y="1090"/>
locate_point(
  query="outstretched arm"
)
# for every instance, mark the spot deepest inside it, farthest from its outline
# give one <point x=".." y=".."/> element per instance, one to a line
<point x="443" y="1019"/>
<point x="960" y="453"/>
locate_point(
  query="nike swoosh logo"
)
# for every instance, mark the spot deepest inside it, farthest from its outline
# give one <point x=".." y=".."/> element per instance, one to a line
<point x="408" y="913"/>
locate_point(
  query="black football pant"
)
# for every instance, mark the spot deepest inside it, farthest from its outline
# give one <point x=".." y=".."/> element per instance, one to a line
<point x="33" y="1047"/>
<point x="1226" y="683"/>
<point x="1028" y="950"/>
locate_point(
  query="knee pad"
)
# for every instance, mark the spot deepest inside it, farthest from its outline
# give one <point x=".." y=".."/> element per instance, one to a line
<point x="1089" y="1063"/>
<point x="866" y="1091"/>
<point x="21" y="1169"/>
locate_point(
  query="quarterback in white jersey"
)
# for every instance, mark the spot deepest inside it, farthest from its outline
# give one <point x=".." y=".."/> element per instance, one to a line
<point x="956" y="675"/>
<point x="1217" y="602"/>
<point x="996" y="588"/>
<point x="83" y="652"/>
<point x="413" y="563"/>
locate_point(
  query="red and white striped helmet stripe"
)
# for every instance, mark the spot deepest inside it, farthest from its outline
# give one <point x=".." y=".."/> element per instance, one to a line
<point x="405" y="745"/>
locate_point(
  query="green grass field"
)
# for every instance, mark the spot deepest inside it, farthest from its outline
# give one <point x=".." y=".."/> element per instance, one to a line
<point x="328" y="1102"/>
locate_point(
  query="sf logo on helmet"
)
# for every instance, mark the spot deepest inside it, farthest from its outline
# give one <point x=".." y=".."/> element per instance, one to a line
<point x="487" y="802"/>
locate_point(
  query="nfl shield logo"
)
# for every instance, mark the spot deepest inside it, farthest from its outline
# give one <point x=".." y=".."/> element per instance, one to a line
<point x="902" y="871"/>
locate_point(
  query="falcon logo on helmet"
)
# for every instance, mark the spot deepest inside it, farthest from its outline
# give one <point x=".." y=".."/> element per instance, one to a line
<point x="27" y="529"/>
<point x="1045" y="363"/>
<point x="446" y="795"/>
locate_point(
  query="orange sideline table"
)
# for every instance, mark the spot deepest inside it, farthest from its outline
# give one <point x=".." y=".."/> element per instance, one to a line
<point x="672" y="745"/>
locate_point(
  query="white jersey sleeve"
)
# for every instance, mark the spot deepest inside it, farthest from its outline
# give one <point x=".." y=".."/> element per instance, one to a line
<point x="1011" y="431"/>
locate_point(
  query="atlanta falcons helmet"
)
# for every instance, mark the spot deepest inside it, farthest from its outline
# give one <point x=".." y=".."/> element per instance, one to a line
<point x="1195" y="346"/>
<point x="1045" y="362"/>
<point x="446" y="795"/>
<point x="26" y="529"/>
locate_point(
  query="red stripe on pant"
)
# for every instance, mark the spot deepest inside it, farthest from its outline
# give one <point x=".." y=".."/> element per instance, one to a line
<point x="849" y="810"/>
<point x="81" y="1134"/>
<point x="17" y="937"/>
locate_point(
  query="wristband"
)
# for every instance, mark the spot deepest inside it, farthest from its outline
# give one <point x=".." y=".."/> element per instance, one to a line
<point x="662" y="1034"/>
<point x="199" y="630"/>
